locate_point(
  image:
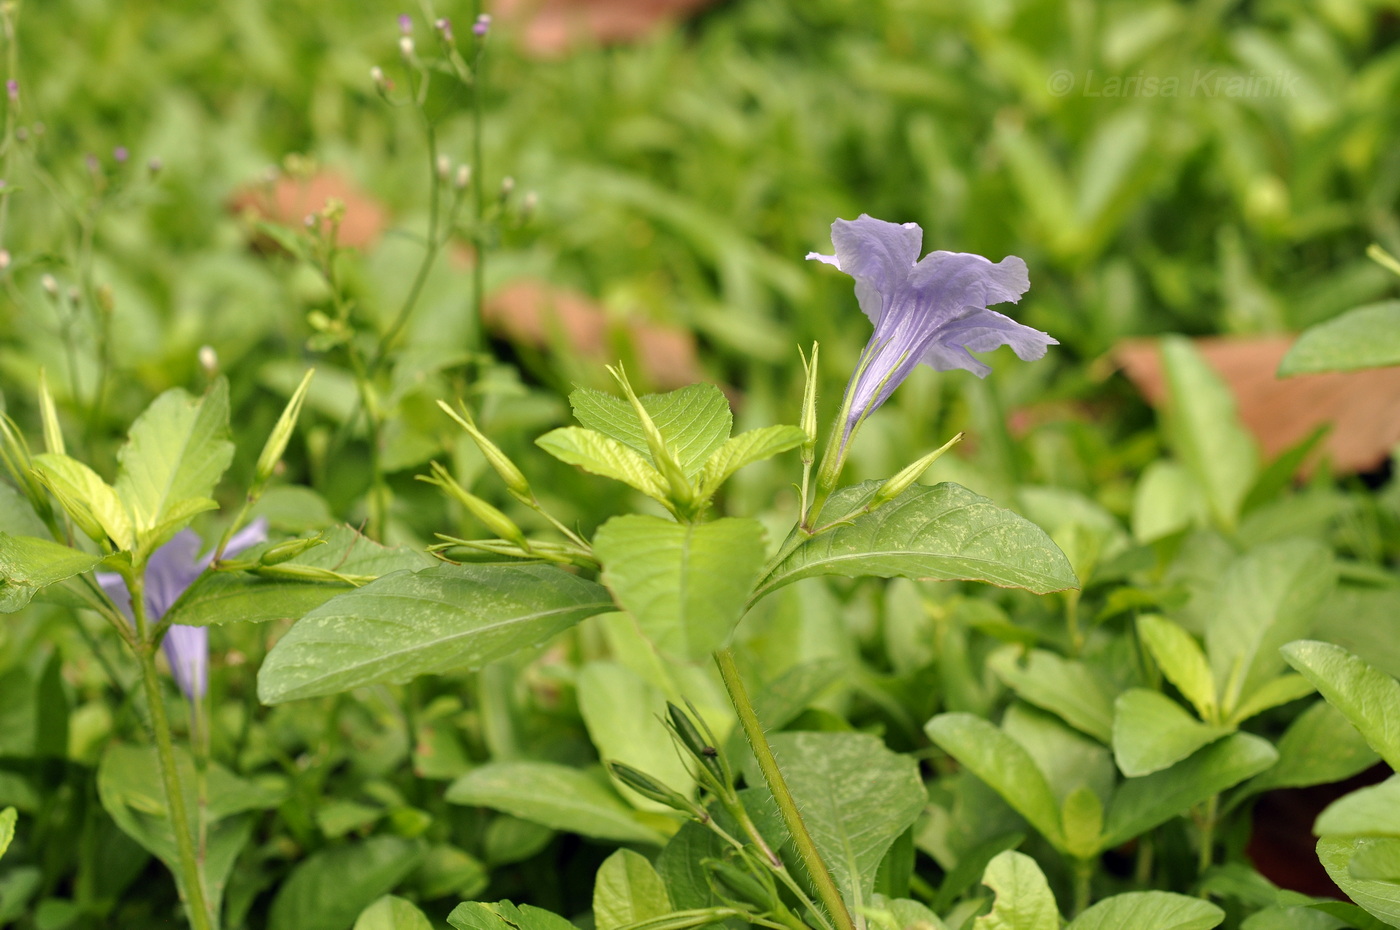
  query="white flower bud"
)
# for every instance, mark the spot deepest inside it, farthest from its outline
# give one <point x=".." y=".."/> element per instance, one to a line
<point x="50" y="285"/>
<point x="209" y="360"/>
<point x="406" y="46"/>
<point x="4" y="259"/>
<point x="444" y="168"/>
<point x="463" y="178"/>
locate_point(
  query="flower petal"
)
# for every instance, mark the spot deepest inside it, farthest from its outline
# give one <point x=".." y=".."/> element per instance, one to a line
<point x="187" y="650"/>
<point x="879" y="255"/>
<point x="954" y="281"/>
<point x="985" y="330"/>
<point x="172" y="568"/>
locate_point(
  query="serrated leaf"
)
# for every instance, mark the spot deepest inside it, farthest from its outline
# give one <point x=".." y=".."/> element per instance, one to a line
<point x="1024" y="900"/>
<point x="1159" y="910"/>
<point x="686" y="584"/>
<point x="627" y="890"/>
<point x="85" y="496"/>
<point x="1152" y="732"/>
<point x="1370" y="811"/>
<point x="1366" y="337"/>
<point x="944" y="532"/>
<point x="176" y="451"/>
<point x="694" y="420"/>
<point x="1143" y="803"/>
<point x="416" y="623"/>
<point x="1004" y="764"/>
<point x="856" y="798"/>
<point x="1181" y="660"/>
<point x="1381" y="899"/>
<point x="557" y="796"/>
<point x="228" y="596"/>
<point x="28" y="563"/>
<point x="392" y="913"/>
<point x="745" y="449"/>
<point x="332" y="886"/>
<point x="1368" y="697"/>
<point x="1065" y="687"/>
<point x="602" y="455"/>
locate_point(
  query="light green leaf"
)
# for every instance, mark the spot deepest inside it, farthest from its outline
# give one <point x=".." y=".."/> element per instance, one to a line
<point x="1366" y="337"/>
<point x="902" y="914"/>
<point x="177" y="450"/>
<point x="331" y="887"/>
<point x="85" y="496"/>
<point x="856" y="798"/>
<point x="623" y="714"/>
<point x="1004" y="764"/>
<point x="1152" y="732"/>
<point x="28" y="563"/>
<point x="392" y="913"/>
<point x="1377" y="860"/>
<point x="8" y="817"/>
<point x="1142" y="803"/>
<point x="944" y="532"/>
<point x="1181" y="660"/>
<point x="1167" y="499"/>
<point x="1082" y="817"/>
<point x="1158" y="910"/>
<point x="1065" y="687"/>
<point x="1379" y="898"/>
<point x="1024" y="900"/>
<point x="1370" y="811"/>
<point x="627" y="890"/>
<point x="1319" y="747"/>
<point x="557" y="796"/>
<point x="686" y="584"/>
<point x="1266" y="598"/>
<point x="745" y="449"/>
<point x="1271" y="694"/>
<point x="505" y="916"/>
<point x="601" y="455"/>
<point x="1205" y="430"/>
<point x="416" y="623"/>
<point x="228" y="596"/>
<point x="694" y="420"/>
<point x="1369" y="697"/>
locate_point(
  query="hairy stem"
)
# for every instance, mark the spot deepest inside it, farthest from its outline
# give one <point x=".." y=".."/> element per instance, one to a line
<point x="777" y="784"/>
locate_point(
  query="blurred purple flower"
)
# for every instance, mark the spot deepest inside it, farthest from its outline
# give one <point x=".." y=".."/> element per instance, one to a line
<point x="12" y="90"/>
<point x="482" y="25"/>
<point x="405" y="23"/>
<point x="171" y="569"/>
<point x="120" y="154"/>
<point x="927" y="311"/>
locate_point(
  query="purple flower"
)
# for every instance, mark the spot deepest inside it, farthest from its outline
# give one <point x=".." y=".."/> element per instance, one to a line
<point x="927" y="311"/>
<point x="405" y="23"/>
<point x="12" y="90"/>
<point x="482" y="25"/>
<point x="171" y="569"/>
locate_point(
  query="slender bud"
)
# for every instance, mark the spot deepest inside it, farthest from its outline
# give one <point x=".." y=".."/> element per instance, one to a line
<point x="495" y="521"/>
<point x="648" y="787"/>
<point x="281" y="433"/>
<point x="286" y="551"/>
<point x="444" y="168"/>
<point x="682" y="492"/>
<point x="511" y="475"/>
<point x="463" y="177"/>
<point x="738" y="883"/>
<point x="706" y="753"/>
<point x="48" y="413"/>
<point x="444" y="28"/>
<point x="809" y="405"/>
<point x="901" y="482"/>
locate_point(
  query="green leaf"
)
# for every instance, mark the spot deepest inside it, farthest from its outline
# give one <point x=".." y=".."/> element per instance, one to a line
<point x="627" y="890"/>
<point x="944" y="532"/>
<point x="686" y="584"/>
<point x="1379" y="898"/>
<point x="1159" y="910"/>
<point x="1366" y="337"/>
<point x="176" y="451"/>
<point x="695" y="421"/>
<point x="505" y="916"/>
<point x="1369" y="697"/>
<point x="557" y="796"/>
<point x="1024" y="900"/>
<point x="1205" y="430"/>
<point x="745" y="449"/>
<point x="28" y="564"/>
<point x="1270" y="694"/>
<point x="623" y="714"/>
<point x="1142" y="803"/>
<point x="392" y="913"/>
<point x="856" y="798"/>
<point x="85" y="497"/>
<point x="230" y="596"/>
<point x="1181" y="660"/>
<point x="1266" y="598"/>
<point x="1002" y="763"/>
<point x="601" y="455"/>
<point x="428" y="622"/>
<point x="1152" y="732"/>
<point x="1082" y="818"/>
<point x="1377" y="860"/>
<point x="1370" y="811"/>
<point x="1065" y="687"/>
<point x="331" y="887"/>
<point x="8" y="817"/>
<point x="887" y="913"/>
<point x="1319" y="747"/>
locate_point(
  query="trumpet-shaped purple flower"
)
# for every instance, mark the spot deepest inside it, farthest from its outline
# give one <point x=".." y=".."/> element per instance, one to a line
<point x="927" y="311"/>
<point x="171" y="569"/>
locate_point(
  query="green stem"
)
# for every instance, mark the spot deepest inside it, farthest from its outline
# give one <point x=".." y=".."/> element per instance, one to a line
<point x="806" y="848"/>
<point x="478" y="192"/>
<point x="1207" y="854"/>
<point x="191" y="872"/>
<point x="1083" y="876"/>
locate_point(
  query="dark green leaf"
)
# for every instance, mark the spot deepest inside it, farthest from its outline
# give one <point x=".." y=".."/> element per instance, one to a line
<point x="505" y="916"/>
<point x="329" y="889"/>
<point x="28" y="563"/>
